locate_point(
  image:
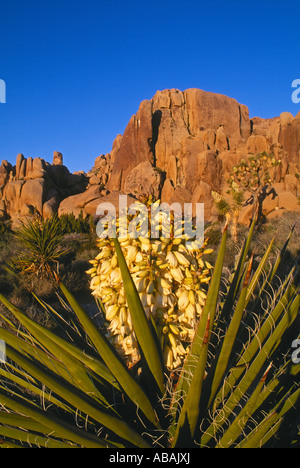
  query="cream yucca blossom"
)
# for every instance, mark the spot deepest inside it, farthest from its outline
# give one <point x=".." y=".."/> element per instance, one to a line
<point x="170" y="280"/>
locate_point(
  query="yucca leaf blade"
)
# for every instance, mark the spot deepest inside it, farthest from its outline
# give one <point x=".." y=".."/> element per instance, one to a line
<point x="237" y="275"/>
<point x="189" y="414"/>
<point x="236" y="427"/>
<point x="30" y="438"/>
<point x="229" y="339"/>
<point x="208" y="311"/>
<point x="258" y="272"/>
<point x="268" y="427"/>
<point x="61" y="350"/>
<point x="141" y="325"/>
<point x="79" y="400"/>
<point x="256" y="343"/>
<point x="257" y="363"/>
<point x="111" y="359"/>
<point x="62" y="428"/>
<point x="280" y="256"/>
<point x="254" y="357"/>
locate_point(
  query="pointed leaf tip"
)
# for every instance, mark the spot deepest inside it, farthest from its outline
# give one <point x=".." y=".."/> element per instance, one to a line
<point x="247" y="278"/>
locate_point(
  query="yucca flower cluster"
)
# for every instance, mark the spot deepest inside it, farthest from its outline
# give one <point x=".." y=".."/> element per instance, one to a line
<point x="171" y="283"/>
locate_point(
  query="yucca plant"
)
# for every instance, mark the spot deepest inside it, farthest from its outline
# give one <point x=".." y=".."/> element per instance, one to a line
<point x="39" y="247"/>
<point x="236" y="388"/>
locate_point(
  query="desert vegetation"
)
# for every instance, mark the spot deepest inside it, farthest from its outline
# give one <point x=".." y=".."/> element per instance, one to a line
<point x="237" y="386"/>
<point x="29" y="252"/>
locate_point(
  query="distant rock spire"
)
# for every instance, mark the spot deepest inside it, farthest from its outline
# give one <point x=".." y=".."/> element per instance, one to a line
<point x="57" y="159"/>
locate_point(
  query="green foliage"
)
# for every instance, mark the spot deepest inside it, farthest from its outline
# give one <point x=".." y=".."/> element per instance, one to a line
<point x="5" y="236"/>
<point x="223" y="207"/>
<point x="238" y="198"/>
<point x="17" y="283"/>
<point x="237" y="388"/>
<point x="70" y="224"/>
<point x="39" y="247"/>
<point x="254" y="173"/>
<point x="250" y="183"/>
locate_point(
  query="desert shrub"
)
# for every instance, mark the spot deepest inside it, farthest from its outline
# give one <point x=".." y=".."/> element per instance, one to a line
<point x="81" y="225"/>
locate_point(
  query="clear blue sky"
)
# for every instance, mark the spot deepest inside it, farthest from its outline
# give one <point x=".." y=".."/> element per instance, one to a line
<point x="76" y="70"/>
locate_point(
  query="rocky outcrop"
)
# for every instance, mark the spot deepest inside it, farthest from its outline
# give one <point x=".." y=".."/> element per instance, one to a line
<point x="33" y="185"/>
<point x="192" y="139"/>
<point x="173" y="128"/>
<point x="179" y="146"/>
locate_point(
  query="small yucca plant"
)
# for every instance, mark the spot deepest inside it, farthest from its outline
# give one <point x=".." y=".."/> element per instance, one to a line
<point x="39" y="247"/>
<point x="235" y="388"/>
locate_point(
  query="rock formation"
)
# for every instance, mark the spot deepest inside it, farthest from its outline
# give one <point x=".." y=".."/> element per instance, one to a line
<point x="190" y="140"/>
<point x="179" y="146"/>
<point x="35" y="185"/>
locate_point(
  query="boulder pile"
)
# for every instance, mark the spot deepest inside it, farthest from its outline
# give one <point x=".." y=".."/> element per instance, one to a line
<point x="179" y="146"/>
<point x="33" y="185"/>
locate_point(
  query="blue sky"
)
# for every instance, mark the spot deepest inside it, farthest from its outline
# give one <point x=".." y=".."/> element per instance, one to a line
<point x="76" y="71"/>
